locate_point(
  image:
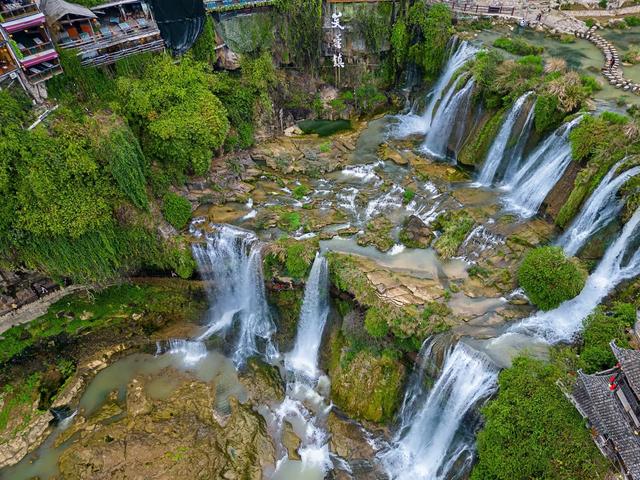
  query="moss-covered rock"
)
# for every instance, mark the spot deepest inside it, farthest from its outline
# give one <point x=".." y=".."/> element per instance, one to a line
<point x="288" y="302"/>
<point x="366" y="385"/>
<point x="477" y="145"/>
<point x="415" y="233"/>
<point x="378" y="234"/>
<point x="455" y="226"/>
<point x="289" y="257"/>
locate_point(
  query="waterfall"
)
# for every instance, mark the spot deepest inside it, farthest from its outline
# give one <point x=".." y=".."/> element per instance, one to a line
<point x="599" y="210"/>
<point x="531" y="183"/>
<point x="431" y="440"/>
<point x="500" y="146"/>
<point x="304" y="406"/>
<point x="411" y="123"/>
<point x="313" y="316"/>
<point x="454" y="108"/>
<point x="515" y="159"/>
<point x="231" y="264"/>
<point x="620" y="262"/>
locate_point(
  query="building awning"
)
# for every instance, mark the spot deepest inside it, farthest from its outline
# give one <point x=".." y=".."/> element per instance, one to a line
<point x="24" y="22"/>
<point x="56" y="9"/>
<point x="38" y="58"/>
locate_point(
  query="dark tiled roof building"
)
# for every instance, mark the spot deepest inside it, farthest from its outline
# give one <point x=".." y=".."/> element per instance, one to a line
<point x="610" y="402"/>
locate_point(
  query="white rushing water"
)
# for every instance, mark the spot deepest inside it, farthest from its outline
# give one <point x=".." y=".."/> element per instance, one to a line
<point x="191" y="351"/>
<point x="230" y="262"/>
<point x="431" y="438"/>
<point x="313" y="316"/>
<point x="598" y="211"/>
<point x="542" y="169"/>
<point x="500" y="146"/>
<point x="454" y="109"/>
<point x="411" y="123"/>
<point x="304" y="406"/>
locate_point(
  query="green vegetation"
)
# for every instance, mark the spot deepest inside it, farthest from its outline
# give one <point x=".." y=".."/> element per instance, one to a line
<point x="110" y="308"/>
<point x="408" y="195"/>
<point x="455" y="226"/>
<point x="373" y="23"/>
<point x="378" y="233"/>
<point x="375" y="323"/>
<point x="532" y="431"/>
<point x="517" y="46"/>
<point x="599" y="329"/>
<point x="13" y="398"/>
<point x="300" y="191"/>
<point x="176" y="210"/>
<point x="549" y="278"/>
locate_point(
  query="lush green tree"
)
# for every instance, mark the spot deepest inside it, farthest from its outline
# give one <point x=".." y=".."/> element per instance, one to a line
<point x="549" y="278"/>
<point x="532" y="431"/>
<point x="181" y="122"/>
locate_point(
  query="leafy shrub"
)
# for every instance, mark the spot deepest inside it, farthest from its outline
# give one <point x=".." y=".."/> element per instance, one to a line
<point x="181" y="120"/>
<point x="375" y="323"/>
<point x="299" y="259"/>
<point x="176" y="210"/>
<point x="455" y="226"/>
<point x="549" y="278"/>
<point x="432" y="30"/>
<point x="517" y="46"/>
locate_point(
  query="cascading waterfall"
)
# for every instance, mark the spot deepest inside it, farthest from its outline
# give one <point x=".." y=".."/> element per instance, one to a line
<point x="500" y="146"/>
<point x="431" y="438"/>
<point x="599" y="210"/>
<point x="531" y="183"/>
<point x="303" y="406"/>
<point x="517" y="155"/>
<point x="231" y="263"/>
<point x="620" y="262"/>
<point x="454" y="107"/>
<point x="411" y="123"/>
<point x="313" y="316"/>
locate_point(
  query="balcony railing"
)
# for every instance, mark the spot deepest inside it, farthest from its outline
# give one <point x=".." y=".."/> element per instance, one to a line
<point x="43" y="71"/>
<point x="112" y="57"/>
<point x="13" y="10"/>
<point x="109" y="36"/>
<point x="42" y="46"/>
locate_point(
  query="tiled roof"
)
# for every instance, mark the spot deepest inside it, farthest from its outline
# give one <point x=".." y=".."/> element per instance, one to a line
<point x="630" y="363"/>
<point x="607" y="416"/>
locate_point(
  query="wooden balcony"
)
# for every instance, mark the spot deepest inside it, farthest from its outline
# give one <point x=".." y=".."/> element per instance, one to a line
<point x="10" y="10"/>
